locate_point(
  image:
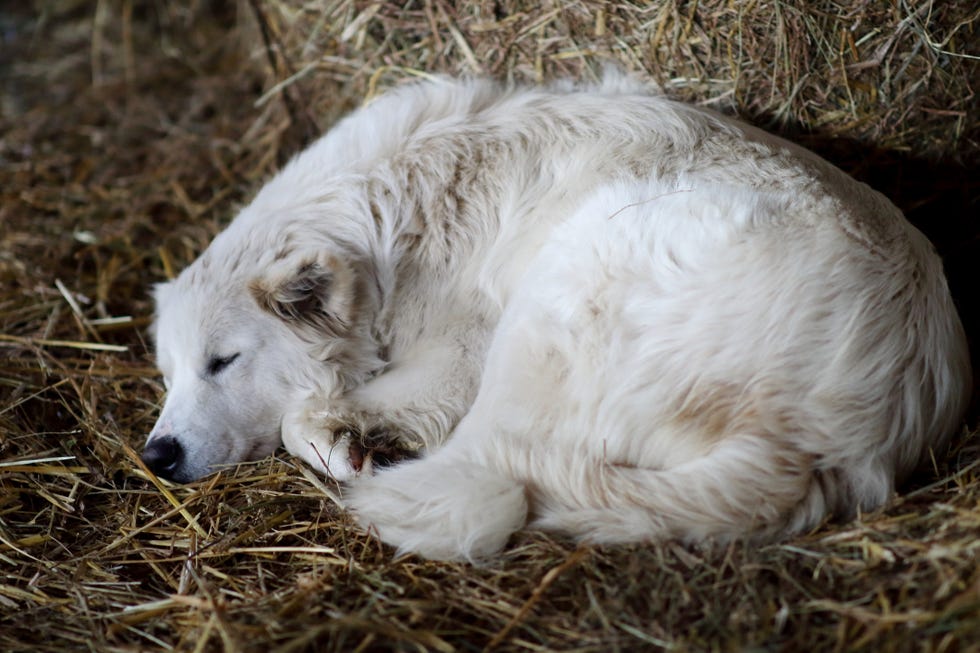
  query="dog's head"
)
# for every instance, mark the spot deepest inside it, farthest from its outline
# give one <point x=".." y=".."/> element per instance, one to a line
<point x="237" y="346"/>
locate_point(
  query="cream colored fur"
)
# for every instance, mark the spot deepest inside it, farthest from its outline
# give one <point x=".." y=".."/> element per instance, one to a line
<point x="590" y="309"/>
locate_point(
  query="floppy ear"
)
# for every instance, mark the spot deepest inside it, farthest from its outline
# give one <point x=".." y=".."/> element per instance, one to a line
<point x="309" y="290"/>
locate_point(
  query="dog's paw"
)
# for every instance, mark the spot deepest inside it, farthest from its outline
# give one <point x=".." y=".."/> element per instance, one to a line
<point x="343" y="443"/>
<point x="440" y="508"/>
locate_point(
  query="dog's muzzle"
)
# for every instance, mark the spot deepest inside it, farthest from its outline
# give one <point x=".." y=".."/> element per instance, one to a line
<point x="163" y="456"/>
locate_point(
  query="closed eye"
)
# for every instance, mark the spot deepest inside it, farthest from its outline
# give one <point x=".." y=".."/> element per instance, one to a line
<point x="218" y="363"/>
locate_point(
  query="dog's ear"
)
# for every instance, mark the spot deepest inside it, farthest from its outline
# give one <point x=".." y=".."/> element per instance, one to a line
<point x="313" y="291"/>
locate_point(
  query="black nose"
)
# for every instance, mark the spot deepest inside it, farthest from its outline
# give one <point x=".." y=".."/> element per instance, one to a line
<point x="163" y="456"/>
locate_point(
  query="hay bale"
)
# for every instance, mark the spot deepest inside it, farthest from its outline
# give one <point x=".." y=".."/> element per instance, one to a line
<point x="129" y="133"/>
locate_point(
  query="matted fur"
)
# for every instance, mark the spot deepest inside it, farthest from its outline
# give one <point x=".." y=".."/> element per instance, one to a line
<point x="590" y="308"/>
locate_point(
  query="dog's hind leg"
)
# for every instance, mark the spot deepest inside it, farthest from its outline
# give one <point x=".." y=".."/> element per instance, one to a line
<point x="450" y="506"/>
<point x="465" y="500"/>
<point x="441" y="507"/>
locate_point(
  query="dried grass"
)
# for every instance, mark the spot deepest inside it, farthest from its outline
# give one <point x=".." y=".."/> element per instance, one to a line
<point x="128" y="134"/>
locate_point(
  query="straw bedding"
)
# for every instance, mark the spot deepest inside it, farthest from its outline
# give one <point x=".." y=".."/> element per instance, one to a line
<point x="130" y="132"/>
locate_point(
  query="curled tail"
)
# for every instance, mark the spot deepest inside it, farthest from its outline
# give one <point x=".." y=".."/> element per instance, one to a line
<point x="446" y="508"/>
<point x="746" y="486"/>
<point x="441" y="508"/>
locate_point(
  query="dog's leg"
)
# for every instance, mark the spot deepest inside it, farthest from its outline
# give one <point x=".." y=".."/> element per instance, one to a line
<point x="443" y="507"/>
<point x="318" y="438"/>
<point x="464" y="501"/>
<point x="409" y="408"/>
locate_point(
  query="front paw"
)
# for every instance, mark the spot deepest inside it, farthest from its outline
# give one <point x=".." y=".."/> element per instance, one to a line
<point x="380" y="444"/>
<point x="343" y="444"/>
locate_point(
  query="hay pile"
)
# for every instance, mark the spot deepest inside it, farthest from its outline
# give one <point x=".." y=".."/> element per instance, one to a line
<point x="129" y="134"/>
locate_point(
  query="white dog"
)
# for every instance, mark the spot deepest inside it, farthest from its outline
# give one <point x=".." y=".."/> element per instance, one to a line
<point x="590" y="308"/>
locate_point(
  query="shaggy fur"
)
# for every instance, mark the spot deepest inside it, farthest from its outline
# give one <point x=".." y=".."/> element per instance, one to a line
<point x="588" y="308"/>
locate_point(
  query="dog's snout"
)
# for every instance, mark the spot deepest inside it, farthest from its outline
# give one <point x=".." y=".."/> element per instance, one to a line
<point x="163" y="456"/>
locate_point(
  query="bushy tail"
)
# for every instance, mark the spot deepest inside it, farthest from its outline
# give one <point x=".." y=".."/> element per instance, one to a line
<point x="746" y="486"/>
<point x="441" y="508"/>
